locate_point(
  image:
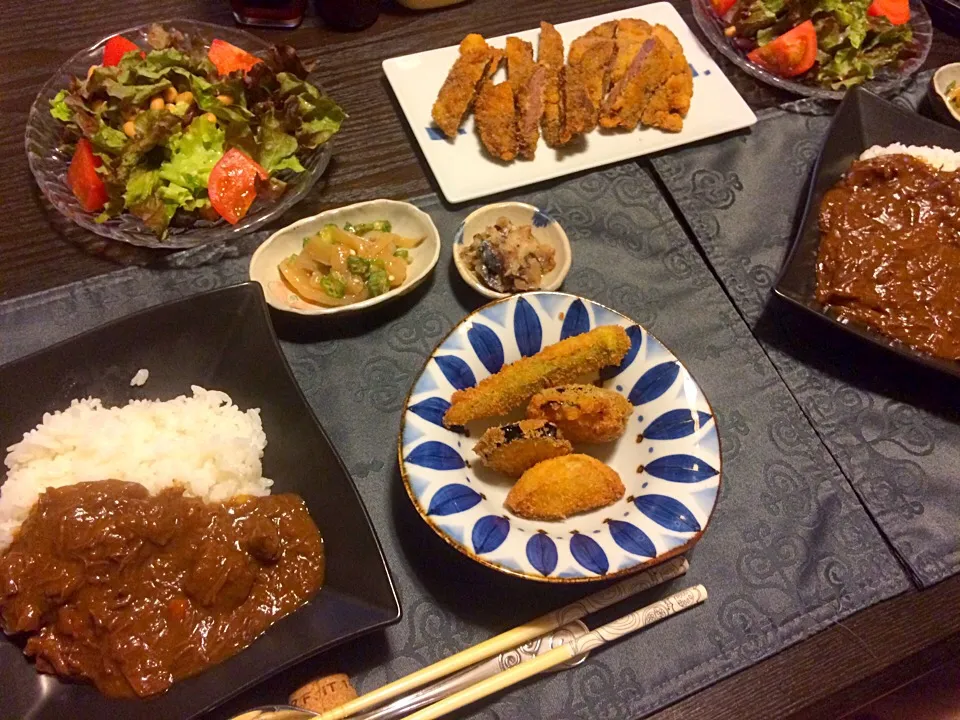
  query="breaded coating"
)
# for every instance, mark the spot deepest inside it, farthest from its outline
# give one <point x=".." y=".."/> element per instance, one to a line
<point x="550" y="55"/>
<point x="629" y="97"/>
<point x="560" y="487"/>
<point x="496" y="57"/>
<point x="579" y="114"/>
<point x="520" y="63"/>
<point x="671" y="102"/>
<point x="515" y="448"/>
<point x="631" y="34"/>
<point x="604" y="30"/>
<point x="583" y="413"/>
<point x="557" y="364"/>
<point x="460" y="88"/>
<point x="497" y="120"/>
<point x="586" y="78"/>
<point x="530" y="103"/>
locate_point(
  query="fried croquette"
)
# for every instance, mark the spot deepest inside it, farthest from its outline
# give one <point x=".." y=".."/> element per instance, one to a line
<point x="584" y="413"/>
<point x="497" y="120"/>
<point x="560" y="487"/>
<point x="460" y="88"/>
<point x="515" y="448"/>
<point x="556" y="364"/>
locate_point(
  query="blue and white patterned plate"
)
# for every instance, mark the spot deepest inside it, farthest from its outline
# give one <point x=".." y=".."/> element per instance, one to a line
<point x="668" y="459"/>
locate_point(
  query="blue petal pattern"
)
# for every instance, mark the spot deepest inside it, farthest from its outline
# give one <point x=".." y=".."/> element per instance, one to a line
<point x="542" y="553"/>
<point x="636" y="340"/>
<point x="680" y="468"/>
<point x="576" y="321"/>
<point x="668" y="512"/>
<point x="527" y="329"/>
<point x="452" y="499"/>
<point x="436" y="456"/>
<point x="676" y="424"/>
<point x="654" y="382"/>
<point x="631" y="538"/>
<point x="456" y="371"/>
<point x="487" y="346"/>
<point x="589" y="554"/>
<point x="489" y="533"/>
<point x="541" y="219"/>
<point x="432" y="410"/>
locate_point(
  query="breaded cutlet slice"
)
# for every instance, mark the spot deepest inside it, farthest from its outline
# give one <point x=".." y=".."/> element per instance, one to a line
<point x="496" y="117"/>
<point x="550" y="55"/>
<point x="460" y="87"/>
<point x="520" y="63"/>
<point x="649" y="69"/>
<point x="671" y="102"/>
<point x="530" y="105"/>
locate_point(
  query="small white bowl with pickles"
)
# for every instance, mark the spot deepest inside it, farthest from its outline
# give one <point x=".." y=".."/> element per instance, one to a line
<point x="409" y="242"/>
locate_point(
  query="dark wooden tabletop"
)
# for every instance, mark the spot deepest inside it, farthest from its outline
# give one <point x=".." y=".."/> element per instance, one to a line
<point x="828" y="674"/>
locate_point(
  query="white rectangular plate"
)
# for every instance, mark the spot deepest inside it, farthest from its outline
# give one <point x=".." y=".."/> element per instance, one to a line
<point x="464" y="171"/>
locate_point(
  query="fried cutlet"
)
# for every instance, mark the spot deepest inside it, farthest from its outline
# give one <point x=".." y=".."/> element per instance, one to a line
<point x="556" y="364"/>
<point x="587" y="81"/>
<point x="629" y="97"/>
<point x="579" y="113"/>
<point x="671" y="102"/>
<point x="460" y="88"/>
<point x="604" y="30"/>
<point x="630" y="36"/>
<point x="496" y="118"/>
<point x="583" y="413"/>
<point x="520" y="63"/>
<point x="515" y="448"/>
<point x="563" y="486"/>
<point x="550" y="55"/>
<point x="530" y="104"/>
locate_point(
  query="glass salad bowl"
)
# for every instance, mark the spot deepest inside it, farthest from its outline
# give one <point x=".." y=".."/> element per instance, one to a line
<point x="49" y="160"/>
<point x="886" y="80"/>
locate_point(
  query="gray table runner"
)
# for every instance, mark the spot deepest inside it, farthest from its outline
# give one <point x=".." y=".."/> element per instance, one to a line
<point x="892" y="426"/>
<point x="789" y="551"/>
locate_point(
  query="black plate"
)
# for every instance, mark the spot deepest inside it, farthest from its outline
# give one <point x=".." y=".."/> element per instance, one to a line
<point x="220" y="340"/>
<point x="862" y="121"/>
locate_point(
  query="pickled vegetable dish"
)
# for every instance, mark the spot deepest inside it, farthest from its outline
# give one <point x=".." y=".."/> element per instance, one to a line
<point x="341" y="266"/>
<point x="182" y="132"/>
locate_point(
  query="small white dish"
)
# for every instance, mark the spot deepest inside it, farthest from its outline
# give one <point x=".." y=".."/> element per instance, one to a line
<point x="545" y="229"/>
<point x="405" y="219"/>
<point x="941" y="82"/>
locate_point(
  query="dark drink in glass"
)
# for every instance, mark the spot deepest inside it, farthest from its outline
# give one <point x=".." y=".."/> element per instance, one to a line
<point x="349" y="14"/>
<point x="269" y="13"/>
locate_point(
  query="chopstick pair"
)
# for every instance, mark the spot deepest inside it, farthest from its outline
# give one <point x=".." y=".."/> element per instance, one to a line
<point x="511" y="639"/>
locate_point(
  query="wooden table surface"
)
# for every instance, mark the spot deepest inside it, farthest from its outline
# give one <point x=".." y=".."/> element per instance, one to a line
<point x="827" y="675"/>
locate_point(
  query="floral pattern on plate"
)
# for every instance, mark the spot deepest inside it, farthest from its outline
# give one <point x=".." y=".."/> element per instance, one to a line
<point x="669" y="457"/>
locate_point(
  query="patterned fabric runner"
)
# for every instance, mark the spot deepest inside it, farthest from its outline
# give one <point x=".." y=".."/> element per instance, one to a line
<point x="892" y="426"/>
<point x="789" y="550"/>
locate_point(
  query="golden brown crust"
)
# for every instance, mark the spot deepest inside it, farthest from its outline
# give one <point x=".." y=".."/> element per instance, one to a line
<point x="460" y="88"/>
<point x="515" y="448"/>
<point x="497" y="120"/>
<point x="550" y="55"/>
<point x="583" y="413"/>
<point x="520" y="63"/>
<point x="556" y="364"/>
<point x="558" y="488"/>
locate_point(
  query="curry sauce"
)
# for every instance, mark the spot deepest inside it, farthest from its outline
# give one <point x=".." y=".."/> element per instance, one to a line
<point x="133" y="591"/>
<point x="890" y="252"/>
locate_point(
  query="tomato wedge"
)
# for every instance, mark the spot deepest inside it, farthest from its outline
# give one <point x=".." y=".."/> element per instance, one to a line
<point x="720" y="7"/>
<point x="791" y="54"/>
<point x="115" y="48"/>
<point x="896" y="11"/>
<point x="83" y="179"/>
<point x="227" y="58"/>
<point x="233" y="184"/>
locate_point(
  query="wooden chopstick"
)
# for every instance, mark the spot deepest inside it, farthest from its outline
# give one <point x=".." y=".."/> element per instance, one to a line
<point x="630" y="623"/>
<point x="511" y="639"/>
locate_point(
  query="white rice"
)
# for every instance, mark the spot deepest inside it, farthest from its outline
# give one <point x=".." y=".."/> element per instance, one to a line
<point x="939" y="157"/>
<point x="204" y="443"/>
<point x="140" y="378"/>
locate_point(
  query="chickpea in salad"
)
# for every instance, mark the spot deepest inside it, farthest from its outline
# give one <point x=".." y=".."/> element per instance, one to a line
<point x="345" y="265"/>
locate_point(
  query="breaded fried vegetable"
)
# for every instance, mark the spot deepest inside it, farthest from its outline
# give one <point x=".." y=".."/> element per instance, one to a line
<point x="515" y="448"/>
<point x="583" y="413"/>
<point x="560" y="487"/>
<point x="556" y="364"/>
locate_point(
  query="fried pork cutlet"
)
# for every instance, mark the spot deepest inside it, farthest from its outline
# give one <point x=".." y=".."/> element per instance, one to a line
<point x="556" y="364"/>
<point x="530" y="103"/>
<point x="630" y="96"/>
<point x="631" y="34"/>
<point x="550" y="55"/>
<point x="520" y="63"/>
<point x="579" y="114"/>
<point x="563" y="486"/>
<point x="497" y="120"/>
<point x="586" y="77"/>
<point x="460" y="88"/>
<point x="671" y="102"/>
<point x="604" y="30"/>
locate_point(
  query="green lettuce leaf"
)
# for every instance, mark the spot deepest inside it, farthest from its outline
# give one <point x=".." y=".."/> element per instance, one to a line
<point x="277" y="149"/>
<point x="109" y="140"/>
<point x="59" y="109"/>
<point x="193" y="153"/>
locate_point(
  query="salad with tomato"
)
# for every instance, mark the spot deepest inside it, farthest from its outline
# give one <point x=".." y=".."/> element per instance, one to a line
<point x="184" y="133"/>
<point x="835" y="44"/>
